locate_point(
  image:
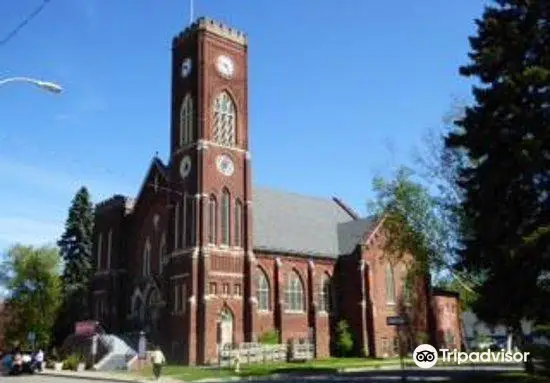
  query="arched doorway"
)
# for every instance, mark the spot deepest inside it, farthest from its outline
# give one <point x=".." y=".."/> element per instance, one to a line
<point x="225" y="328"/>
<point x="137" y="309"/>
<point x="154" y="304"/>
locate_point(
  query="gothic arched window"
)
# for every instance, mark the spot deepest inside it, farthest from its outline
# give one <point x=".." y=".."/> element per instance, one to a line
<point x="238" y="220"/>
<point x="262" y="291"/>
<point x="295" y="293"/>
<point x="212" y="220"/>
<point x="325" y="294"/>
<point x="390" y="284"/>
<point x="224" y="128"/>
<point x="186" y="120"/>
<point x="225" y="216"/>
<point x="147" y="258"/>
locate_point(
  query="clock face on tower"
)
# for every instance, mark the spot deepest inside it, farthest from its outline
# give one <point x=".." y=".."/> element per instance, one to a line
<point x="186" y="67"/>
<point x="225" y="66"/>
<point x="185" y="166"/>
<point x="225" y="165"/>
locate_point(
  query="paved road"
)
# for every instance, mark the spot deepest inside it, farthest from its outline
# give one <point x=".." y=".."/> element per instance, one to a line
<point x="461" y="375"/>
<point x="42" y="379"/>
<point x="416" y="376"/>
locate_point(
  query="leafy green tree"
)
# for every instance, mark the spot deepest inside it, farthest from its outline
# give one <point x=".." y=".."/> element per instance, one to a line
<point x="415" y="225"/>
<point x="76" y="251"/>
<point x="505" y="134"/>
<point x="439" y="168"/>
<point x="32" y="278"/>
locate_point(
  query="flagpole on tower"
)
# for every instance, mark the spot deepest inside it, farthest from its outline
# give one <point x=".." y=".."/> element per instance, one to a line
<point x="191" y="11"/>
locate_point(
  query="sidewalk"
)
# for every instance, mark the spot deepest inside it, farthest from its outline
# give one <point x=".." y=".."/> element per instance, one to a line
<point x="106" y="376"/>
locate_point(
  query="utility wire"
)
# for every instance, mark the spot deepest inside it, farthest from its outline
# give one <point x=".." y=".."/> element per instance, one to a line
<point x="17" y="29"/>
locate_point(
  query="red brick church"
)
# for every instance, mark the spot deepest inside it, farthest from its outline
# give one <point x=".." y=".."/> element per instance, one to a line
<point x="201" y="257"/>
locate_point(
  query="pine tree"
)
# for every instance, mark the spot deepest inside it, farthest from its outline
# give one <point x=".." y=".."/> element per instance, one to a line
<point x="506" y="135"/>
<point x="76" y="251"/>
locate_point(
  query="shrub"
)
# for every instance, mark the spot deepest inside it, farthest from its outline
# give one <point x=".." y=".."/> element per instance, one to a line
<point x="72" y="362"/>
<point x="422" y="338"/>
<point x="344" y="339"/>
<point x="269" y="337"/>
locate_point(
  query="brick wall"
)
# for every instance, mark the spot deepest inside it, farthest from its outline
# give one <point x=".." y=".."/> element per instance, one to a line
<point x="447" y="309"/>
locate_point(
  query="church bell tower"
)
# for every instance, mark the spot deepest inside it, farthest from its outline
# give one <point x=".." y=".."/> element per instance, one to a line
<point x="210" y="177"/>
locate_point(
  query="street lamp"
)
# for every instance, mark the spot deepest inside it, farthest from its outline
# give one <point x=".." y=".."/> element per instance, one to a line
<point x="46" y="85"/>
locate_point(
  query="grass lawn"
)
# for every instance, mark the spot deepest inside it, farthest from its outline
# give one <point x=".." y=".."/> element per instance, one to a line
<point x="313" y="367"/>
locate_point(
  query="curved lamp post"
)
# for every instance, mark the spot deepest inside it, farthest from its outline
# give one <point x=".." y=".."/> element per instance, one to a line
<point x="45" y="85"/>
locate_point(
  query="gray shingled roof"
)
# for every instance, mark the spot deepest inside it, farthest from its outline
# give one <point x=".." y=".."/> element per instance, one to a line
<point x="293" y="223"/>
<point x="297" y="224"/>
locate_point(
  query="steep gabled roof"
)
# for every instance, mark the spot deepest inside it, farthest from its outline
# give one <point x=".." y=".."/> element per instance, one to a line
<point x="352" y="233"/>
<point x="292" y="223"/>
<point x="156" y="166"/>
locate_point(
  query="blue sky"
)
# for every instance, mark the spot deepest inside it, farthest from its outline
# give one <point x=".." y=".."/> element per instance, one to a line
<point x="340" y="91"/>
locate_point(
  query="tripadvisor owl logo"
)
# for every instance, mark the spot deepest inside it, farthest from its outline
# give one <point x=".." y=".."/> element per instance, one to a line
<point x="425" y="356"/>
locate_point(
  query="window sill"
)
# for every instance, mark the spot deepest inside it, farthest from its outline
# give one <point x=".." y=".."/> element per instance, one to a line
<point x="264" y="312"/>
<point x="295" y="312"/>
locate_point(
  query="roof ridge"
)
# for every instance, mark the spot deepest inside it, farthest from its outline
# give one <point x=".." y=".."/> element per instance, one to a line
<point x="298" y="194"/>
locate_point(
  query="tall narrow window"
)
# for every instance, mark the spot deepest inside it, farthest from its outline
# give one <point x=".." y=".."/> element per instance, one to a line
<point x="185" y="219"/>
<point x="325" y="294"/>
<point x="183" y="297"/>
<point x="186" y="120"/>
<point x="390" y="284"/>
<point x="224" y="120"/>
<point x="177" y="299"/>
<point x="212" y="220"/>
<point x="295" y="293"/>
<point x="109" y="248"/>
<point x="192" y="219"/>
<point x="238" y="220"/>
<point x="163" y="259"/>
<point x="262" y="291"/>
<point x="147" y="258"/>
<point x="176" y="225"/>
<point x="225" y="216"/>
<point x="99" y="248"/>
<point x="407" y="292"/>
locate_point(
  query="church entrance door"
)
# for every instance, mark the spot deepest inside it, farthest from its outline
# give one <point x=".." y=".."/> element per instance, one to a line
<point x="225" y="328"/>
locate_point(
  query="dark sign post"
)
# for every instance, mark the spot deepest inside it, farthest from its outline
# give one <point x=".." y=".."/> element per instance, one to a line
<point x="399" y="321"/>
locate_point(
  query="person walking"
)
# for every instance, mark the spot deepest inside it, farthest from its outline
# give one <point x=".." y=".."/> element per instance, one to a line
<point x="158" y="359"/>
<point x="39" y="358"/>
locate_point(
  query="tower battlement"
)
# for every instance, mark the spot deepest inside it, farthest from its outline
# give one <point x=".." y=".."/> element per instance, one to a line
<point x="116" y="201"/>
<point x="214" y="27"/>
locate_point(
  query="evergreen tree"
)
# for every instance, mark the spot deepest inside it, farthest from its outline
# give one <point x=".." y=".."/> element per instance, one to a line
<point x="76" y="251"/>
<point x="506" y="135"/>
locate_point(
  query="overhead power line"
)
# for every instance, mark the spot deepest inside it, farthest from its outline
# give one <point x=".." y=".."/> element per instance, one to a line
<point x="21" y="25"/>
